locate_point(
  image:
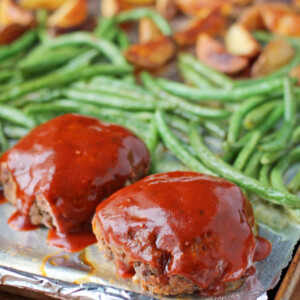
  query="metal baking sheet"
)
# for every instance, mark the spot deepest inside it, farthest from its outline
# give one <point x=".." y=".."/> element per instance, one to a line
<point x="26" y="260"/>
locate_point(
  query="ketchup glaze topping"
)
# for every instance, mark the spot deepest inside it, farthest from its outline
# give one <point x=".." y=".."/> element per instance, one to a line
<point x="74" y="162"/>
<point x="183" y="223"/>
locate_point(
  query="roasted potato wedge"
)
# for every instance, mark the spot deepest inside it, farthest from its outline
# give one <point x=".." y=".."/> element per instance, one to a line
<point x="276" y="54"/>
<point x="11" y="13"/>
<point x="242" y="2"/>
<point x="214" y="54"/>
<point x="151" y="55"/>
<point x="10" y="33"/>
<point x="148" y="31"/>
<point x="138" y="2"/>
<point x="281" y="20"/>
<point x="211" y="24"/>
<point x="196" y="7"/>
<point x="239" y="41"/>
<point x="295" y="72"/>
<point x="14" y="21"/>
<point x="72" y="13"/>
<point x="251" y="18"/>
<point x="36" y="4"/>
<point x="166" y="8"/>
<point x="110" y="8"/>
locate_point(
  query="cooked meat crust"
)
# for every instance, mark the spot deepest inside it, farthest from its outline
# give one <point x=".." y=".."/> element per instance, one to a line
<point x="61" y="170"/>
<point x="173" y="234"/>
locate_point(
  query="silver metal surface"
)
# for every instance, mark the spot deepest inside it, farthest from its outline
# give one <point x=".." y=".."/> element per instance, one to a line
<point x="27" y="261"/>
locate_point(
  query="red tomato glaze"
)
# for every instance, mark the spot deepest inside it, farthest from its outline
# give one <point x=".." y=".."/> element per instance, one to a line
<point x="74" y="162"/>
<point x="185" y="223"/>
<point x="2" y="198"/>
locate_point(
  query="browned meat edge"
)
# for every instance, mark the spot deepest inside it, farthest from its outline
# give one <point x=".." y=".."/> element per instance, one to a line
<point x="148" y="276"/>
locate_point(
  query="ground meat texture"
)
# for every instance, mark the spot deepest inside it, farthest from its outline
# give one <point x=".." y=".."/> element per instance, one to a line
<point x="63" y="169"/>
<point x="179" y="232"/>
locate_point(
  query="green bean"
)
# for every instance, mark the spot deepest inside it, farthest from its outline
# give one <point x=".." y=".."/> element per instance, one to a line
<point x="281" y="140"/>
<point x="3" y="141"/>
<point x="191" y="76"/>
<point x="39" y="97"/>
<point x="11" y="61"/>
<point x="264" y="174"/>
<point x="15" y="116"/>
<point x="215" y="129"/>
<point x="269" y="78"/>
<point x="249" y="184"/>
<point x="285" y="132"/>
<point x="67" y="106"/>
<point x="112" y="34"/>
<point x="21" y="44"/>
<point x="63" y="78"/>
<point x="201" y="111"/>
<point x="82" y="60"/>
<point x="111" y="90"/>
<point x="152" y="137"/>
<point x="252" y="167"/>
<point x="14" y="132"/>
<point x="48" y="62"/>
<point x="247" y="151"/>
<point x="256" y="116"/>
<point x="271" y="157"/>
<point x="110" y="100"/>
<point x="236" y="94"/>
<point x="118" y="84"/>
<point x="273" y="118"/>
<point x="142" y="12"/>
<point x="177" y="123"/>
<point x="175" y="146"/>
<point x="282" y="165"/>
<point x="294" y="185"/>
<point x="238" y="116"/>
<point x="216" y="77"/>
<point x="82" y="38"/>
<point x="59" y="106"/>
<point x="296" y="135"/>
<point x="123" y="40"/>
<point x="104" y="26"/>
<point x="265" y="37"/>
<point x="6" y="75"/>
<point x="41" y="16"/>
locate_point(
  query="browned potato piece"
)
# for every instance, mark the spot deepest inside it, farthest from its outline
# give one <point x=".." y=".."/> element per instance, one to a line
<point x="14" y="21"/>
<point x="214" y="54"/>
<point x="276" y="54"/>
<point x="138" y="2"/>
<point x="211" y="24"/>
<point x="110" y="8"/>
<point x="36" y="4"/>
<point x="166" y="8"/>
<point x="72" y="13"/>
<point x="296" y="73"/>
<point x="241" y="2"/>
<point x="251" y="18"/>
<point x="296" y="3"/>
<point x="239" y="41"/>
<point x="194" y="7"/>
<point x="151" y="55"/>
<point x="148" y="31"/>
<point x="281" y="20"/>
<point x="11" y="13"/>
<point x="10" y="33"/>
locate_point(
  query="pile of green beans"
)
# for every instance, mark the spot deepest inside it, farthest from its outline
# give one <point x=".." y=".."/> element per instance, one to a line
<point x="246" y="131"/>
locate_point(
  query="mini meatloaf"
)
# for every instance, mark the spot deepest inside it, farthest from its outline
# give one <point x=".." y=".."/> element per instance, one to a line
<point x="61" y="171"/>
<point x="179" y="232"/>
